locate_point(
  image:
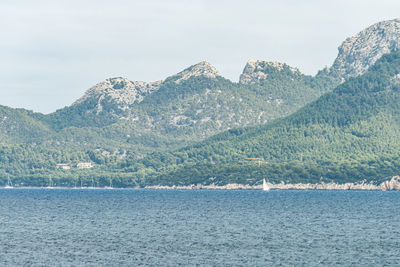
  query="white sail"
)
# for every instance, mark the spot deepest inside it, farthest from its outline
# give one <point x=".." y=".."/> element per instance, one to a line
<point x="50" y="186"/>
<point x="265" y="186"/>
<point x="9" y="185"/>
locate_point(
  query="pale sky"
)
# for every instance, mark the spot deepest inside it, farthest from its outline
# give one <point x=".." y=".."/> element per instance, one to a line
<point x="52" y="51"/>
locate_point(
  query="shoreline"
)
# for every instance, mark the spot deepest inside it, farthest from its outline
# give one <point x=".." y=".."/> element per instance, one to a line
<point x="390" y="185"/>
<point x="393" y="184"/>
<point x="347" y="186"/>
<point x="229" y="187"/>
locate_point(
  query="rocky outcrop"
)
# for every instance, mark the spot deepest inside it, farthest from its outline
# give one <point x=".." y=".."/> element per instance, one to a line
<point x="358" y="53"/>
<point x="127" y="92"/>
<point x="393" y="184"/>
<point x="258" y="70"/>
<point x="203" y="68"/>
<point x="121" y="90"/>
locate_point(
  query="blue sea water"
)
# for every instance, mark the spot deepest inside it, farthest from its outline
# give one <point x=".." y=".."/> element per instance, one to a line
<point x="42" y="227"/>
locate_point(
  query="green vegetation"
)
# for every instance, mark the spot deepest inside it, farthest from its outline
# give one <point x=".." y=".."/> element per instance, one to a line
<point x="347" y="135"/>
<point x="350" y="134"/>
<point x="19" y="125"/>
<point x="181" y="113"/>
<point x="176" y="115"/>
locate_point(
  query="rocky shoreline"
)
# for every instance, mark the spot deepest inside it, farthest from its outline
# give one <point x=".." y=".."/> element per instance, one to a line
<point x="393" y="184"/>
<point x="390" y="185"/>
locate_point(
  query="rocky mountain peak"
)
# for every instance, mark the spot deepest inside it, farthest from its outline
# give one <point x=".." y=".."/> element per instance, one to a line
<point x="358" y="53"/>
<point x="121" y="89"/>
<point x="203" y="68"/>
<point x="258" y="70"/>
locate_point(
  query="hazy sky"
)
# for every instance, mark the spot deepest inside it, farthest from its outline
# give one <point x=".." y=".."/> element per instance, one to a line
<point x="51" y="51"/>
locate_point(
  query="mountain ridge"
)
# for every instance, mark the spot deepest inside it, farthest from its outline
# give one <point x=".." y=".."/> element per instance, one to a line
<point x="350" y="134"/>
<point x="355" y="55"/>
<point x="259" y="70"/>
<point x="359" y="52"/>
<point x="118" y="121"/>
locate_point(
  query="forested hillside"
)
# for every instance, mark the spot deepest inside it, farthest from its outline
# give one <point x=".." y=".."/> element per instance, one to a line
<point x="181" y="111"/>
<point x="121" y="120"/>
<point x="349" y="134"/>
<point x="139" y="133"/>
<point x="145" y="117"/>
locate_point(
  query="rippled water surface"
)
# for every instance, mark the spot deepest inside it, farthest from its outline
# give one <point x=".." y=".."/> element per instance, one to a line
<point x="189" y="227"/>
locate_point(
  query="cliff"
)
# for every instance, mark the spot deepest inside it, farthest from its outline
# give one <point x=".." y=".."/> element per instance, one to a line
<point x="258" y="70"/>
<point x="361" y="51"/>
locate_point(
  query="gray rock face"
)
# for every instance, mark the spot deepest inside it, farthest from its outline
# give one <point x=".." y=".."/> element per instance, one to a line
<point x="393" y="184"/>
<point x="126" y="92"/>
<point x="358" y="53"/>
<point x="203" y="68"/>
<point x="258" y="70"/>
<point x="122" y="90"/>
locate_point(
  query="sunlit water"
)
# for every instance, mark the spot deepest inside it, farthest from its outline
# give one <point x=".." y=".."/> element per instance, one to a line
<point x="198" y="227"/>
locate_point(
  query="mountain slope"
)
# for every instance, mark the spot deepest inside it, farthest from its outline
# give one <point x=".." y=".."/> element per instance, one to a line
<point x="359" y="52"/>
<point x="350" y="134"/>
<point x="189" y="106"/>
<point x="197" y="102"/>
<point x="19" y="125"/>
<point x="117" y="122"/>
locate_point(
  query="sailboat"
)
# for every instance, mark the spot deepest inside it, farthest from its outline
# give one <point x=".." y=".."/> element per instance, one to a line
<point x="265" y="185"/>
<point x="8" y="185"/>
<point x="50" y="186"/>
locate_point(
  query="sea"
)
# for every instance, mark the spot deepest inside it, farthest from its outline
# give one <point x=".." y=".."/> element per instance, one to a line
<point x="73" y="227"/>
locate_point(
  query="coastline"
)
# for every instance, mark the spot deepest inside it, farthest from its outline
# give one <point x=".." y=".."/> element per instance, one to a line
<point x="281" y="186"/>
<point x="390" y="185"/>
<point x="393" y="184"/>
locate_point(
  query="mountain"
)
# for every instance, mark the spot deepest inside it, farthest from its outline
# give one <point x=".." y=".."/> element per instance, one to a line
<point x="120" y="120"/>
<point x="257" y="71"/>
<point x="117" y="122"/>
<point x="189" y="106"/>
<point x="359" y="52"/>
<point x="197" y="102"/>
<point x="19" y="125"/>
<point x="350" y="134"/>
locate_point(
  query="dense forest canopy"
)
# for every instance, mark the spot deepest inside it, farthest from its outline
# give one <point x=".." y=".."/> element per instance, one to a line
<point x="349" y="134"/>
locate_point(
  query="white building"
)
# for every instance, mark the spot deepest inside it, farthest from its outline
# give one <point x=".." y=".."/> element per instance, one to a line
<point x="84" y="165"/>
